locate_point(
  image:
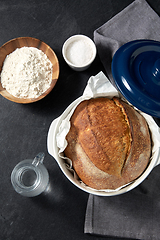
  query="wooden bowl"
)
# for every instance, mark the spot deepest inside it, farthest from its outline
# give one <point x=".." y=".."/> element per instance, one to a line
<point x="12" y="45"/>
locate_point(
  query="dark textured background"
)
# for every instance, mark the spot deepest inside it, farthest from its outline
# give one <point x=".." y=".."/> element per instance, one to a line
<point x="59" y="214"/>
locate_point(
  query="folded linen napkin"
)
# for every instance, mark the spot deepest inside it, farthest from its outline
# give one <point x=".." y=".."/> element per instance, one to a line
<point x="136" y="21"/>
<point x="135" y="214"/>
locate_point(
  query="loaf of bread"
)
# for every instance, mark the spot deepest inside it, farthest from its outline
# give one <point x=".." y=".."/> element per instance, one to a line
<point x="109" y="143"/>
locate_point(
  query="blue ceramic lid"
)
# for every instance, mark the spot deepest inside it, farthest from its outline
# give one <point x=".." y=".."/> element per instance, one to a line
<point x="136" y="72"/>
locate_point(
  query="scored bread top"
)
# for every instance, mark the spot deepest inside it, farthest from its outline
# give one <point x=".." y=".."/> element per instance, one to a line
<point x="103" y="132"/>
<point x="109" y="143"/>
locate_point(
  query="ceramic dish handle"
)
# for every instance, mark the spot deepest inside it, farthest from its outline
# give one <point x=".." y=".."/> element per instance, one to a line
<point x="158" y="157"/>
<point x="51" y="137"/>
<point x="158" y="151"/>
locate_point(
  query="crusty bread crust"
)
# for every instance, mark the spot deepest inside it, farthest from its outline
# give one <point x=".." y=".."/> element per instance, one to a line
<point x="108" y="142"/>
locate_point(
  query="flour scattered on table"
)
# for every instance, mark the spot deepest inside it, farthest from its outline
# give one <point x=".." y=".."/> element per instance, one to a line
<point x="26" y="73"/>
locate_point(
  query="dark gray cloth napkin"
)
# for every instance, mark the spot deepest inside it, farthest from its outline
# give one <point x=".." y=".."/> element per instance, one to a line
<point x="136" y="21"/>
<point x="135" y="214"/>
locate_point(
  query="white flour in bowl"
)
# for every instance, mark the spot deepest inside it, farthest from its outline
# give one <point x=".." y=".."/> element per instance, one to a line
<point x="26" y="73"/>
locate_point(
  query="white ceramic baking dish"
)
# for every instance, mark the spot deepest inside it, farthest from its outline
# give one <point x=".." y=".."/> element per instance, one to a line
<point x="53" y="151"/>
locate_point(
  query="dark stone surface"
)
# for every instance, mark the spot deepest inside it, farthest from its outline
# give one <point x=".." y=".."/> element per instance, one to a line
<point x="60" y="213"/>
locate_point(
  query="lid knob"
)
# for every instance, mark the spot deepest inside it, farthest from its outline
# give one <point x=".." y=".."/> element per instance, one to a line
<point x="156" y="70"/>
